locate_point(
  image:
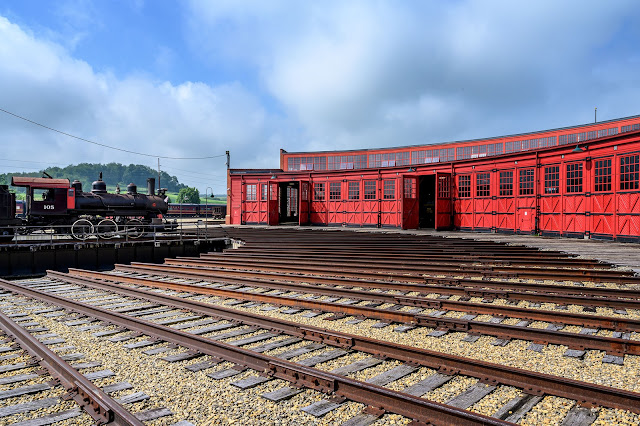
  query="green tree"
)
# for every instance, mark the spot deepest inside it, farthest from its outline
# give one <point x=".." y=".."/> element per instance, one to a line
<point x="189" y="195"/>
<point x="113" y="173"/>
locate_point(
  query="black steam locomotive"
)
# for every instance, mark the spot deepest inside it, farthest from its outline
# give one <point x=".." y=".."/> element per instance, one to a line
<point x="65" y="208"/>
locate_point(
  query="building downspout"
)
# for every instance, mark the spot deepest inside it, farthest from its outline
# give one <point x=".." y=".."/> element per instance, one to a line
<point x="380" y="193"/>
<point x="536" y="221"/>
<point x="451" y="180"/>
<point x="241" y="197"/>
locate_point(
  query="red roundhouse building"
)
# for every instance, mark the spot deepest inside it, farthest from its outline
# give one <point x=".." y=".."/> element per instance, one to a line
<point x="580" y="181"/>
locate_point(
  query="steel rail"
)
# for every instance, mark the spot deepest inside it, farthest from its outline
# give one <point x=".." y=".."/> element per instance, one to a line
<point x="415" y="278"/>
<point x="434" y="246"/>
<point x="550" y="288"/>
<point x="431" y="248"/>
<point x="356" y="239"/>
<point x="307" y="267"/>
<point x="574" y="341"/>
<point x="100" y="406"/>
<point x="536" y="383"/>
<point x="221" y="273"/>
<point x="602" y="292"/>
<point x="332" y="235"/>
<point x="363" y="239"/>
<point x="355" y="264"/>
<point x="583" y="320"/>
<point x="396" y="261"/>
<point x="390" y="254"/>
<point x="372" y="395"/>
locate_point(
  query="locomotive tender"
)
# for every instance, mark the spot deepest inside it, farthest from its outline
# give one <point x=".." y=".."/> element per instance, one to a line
<point x="56" y="203"/>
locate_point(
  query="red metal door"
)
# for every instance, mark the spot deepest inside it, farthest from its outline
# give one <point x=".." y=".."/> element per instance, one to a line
<point x="410" y="206"/>
<point x="303" y="216"/>
<point x="274" y="218"/>
<point x="443" y="201"/>
<point x="390" y="203"/>
<point x="335" y="209"/>
<point x="264" y="203"/>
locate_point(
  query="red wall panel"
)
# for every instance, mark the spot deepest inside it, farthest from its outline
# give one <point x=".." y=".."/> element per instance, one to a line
<point x="525" y="216"/>
<point x="370" y="212"/>
<point x="602" y="225"/>
<point x="353" y="212"/>
<point x="628" y="225"/>
<point x="335" y="212"/>
<point x="251" y="212"/>
<point x="236" y="201"/>
<point x="505" y="214"/>
<point x="483" y="217"/>
<point x="319" y="212"/>
<point x="264" y="212"/>
<point x="629" y="203"/>
<point x="390" y="213"/>
<point x="602" y="203"/>
<point x="574" y="217"/>
<point x="464" y="213"/>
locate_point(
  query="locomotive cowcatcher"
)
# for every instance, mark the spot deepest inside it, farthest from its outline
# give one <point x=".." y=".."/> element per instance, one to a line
<point x="67" y="209"/>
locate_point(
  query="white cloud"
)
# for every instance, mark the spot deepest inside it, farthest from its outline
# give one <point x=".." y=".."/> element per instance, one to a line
<point x="384" y="73"/>
<point x="42" y="81"/>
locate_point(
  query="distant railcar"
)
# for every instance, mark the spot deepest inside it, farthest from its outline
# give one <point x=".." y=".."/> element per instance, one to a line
<point x="214" y="211"/>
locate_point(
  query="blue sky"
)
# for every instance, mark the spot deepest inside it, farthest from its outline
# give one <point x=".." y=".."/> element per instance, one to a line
<point x="196" y="78"/>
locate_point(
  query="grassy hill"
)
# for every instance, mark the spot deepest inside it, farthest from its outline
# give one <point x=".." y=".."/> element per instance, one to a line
<point x="112" y="173"/>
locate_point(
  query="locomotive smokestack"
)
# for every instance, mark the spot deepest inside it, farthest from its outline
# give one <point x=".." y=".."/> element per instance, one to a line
<point x="151" y="185"/>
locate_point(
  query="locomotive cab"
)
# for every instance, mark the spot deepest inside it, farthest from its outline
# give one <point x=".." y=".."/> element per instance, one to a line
<point x="48" y="201"/>
<point x="45" y="196"/>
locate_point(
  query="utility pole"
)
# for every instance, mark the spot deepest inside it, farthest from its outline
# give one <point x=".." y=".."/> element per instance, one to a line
<point x="159" y="174"/>
<point x="228" y="160"/>
<point x="595" y="115"/>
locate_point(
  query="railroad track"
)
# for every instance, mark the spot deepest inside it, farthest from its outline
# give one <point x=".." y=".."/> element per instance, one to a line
<point x="391" y="258"/>
<point x="401" y="361"/>
<point x="56" y="384"/>
<point x="561" y="296"/>
<point x="301" y="374"/>
<point x="563" y="268"/>
<point x="356" y="350"/>
<point x="409" y="273"/>
<point x="388" y="308"/>
<point x="490" y="288"/>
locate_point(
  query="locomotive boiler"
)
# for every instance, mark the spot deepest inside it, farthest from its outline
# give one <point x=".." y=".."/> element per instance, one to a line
<point x="66" y="208"/>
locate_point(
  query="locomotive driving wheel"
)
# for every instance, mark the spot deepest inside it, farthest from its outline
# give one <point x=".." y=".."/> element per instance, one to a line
<point x="107" y="228"/>
<point x="82" y="229"/>
<point x="134" y="228"/>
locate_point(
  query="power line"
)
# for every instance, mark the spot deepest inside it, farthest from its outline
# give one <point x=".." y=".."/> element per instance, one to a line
<point x="36" y="162"/>
<point x="208" y="182"/>
<point x="37" y="168"/>
<point x="106" y="146"/>
<point x="188" y="172"/>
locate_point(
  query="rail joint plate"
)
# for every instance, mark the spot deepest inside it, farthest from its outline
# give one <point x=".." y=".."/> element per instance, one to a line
<point x="301" y="378"/>
<point x="327" y="337"/>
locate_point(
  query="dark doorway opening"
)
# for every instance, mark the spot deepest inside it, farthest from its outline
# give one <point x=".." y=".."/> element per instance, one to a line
<point x="427" y="201"/>
<point x="289" y="202"/>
